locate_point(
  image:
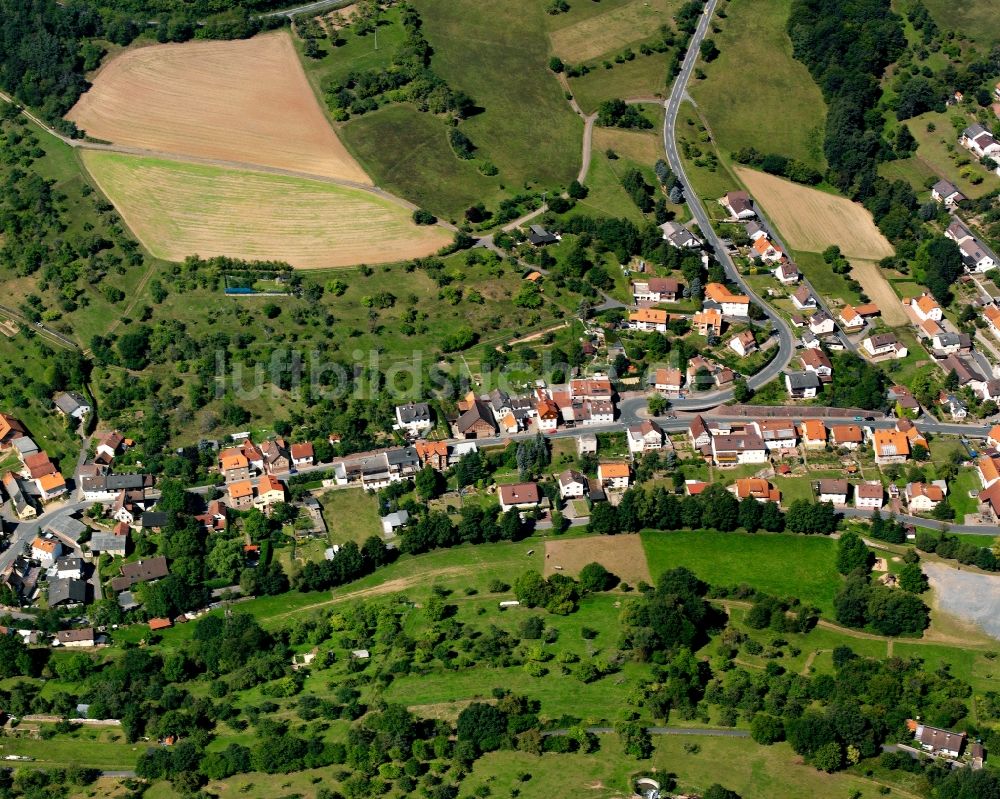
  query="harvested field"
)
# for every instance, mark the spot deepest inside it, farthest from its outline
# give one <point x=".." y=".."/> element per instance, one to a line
<point x="870" y="276"/>
<point x="610" y="31"/>
<point x="240" y="101"/>
<point x="178" y="209"/>
<point x="622" y="555"/>
<point x="812" y="220"/>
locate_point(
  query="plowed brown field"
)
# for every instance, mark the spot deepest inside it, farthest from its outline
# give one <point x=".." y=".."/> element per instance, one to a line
<point x="247" y="102"/>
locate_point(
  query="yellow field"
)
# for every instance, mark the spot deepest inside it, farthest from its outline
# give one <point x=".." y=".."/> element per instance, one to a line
<point x="610" y="31"/>
<point x="178" y="209"/>
<point x="240" y="101"/>
<point x="812" y="220"/>
<point x="868" y="274"/>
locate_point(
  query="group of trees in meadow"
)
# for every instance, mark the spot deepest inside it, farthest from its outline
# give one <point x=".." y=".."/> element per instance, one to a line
<point x="777" y="164"/>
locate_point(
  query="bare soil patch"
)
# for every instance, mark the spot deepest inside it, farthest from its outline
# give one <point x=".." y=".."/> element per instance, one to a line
<point x="812" y="220"/>
<point x="870" y="276"/>
<point x="622" y="555"/>
<point x="242" y="101"/>
<point x="971" y="598"/>
<point x="177" y="209"/>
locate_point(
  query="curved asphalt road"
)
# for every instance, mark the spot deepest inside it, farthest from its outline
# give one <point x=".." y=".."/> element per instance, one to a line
<point x="786" y="341"/>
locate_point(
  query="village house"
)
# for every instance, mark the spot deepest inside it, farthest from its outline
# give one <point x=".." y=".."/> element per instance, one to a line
<point x="572" y="484"/>
<point x="974" y="257"/>
<point x="965" y="371"/>
<point x="63" y="592"/>
<point x="24" y="447"/>
<point x="10" y="429"/>
<point x="779" y="435"/>
<point x="586" y="444"/>
<point x="593" y="388"/>
<point x="802" y="385"/>
<point x="787" y="273"/>
<point x="957" y="231"/>
<point x="756" y="488"/>
<point x="46" y="550"/>
<point x="521" y="496"/>
<point x="946" y="192"/>
<point x="71" y="404"/>
<point x="707" y="322"/>
<point x="755" y="230"/>
<point x="979" y="141"/>
<point x="803" y="299"/>
<point x="548" y="415"/>
<point x="276" y="457"/>
<point x="391" y="522"/>
<point x="904" y="403"/>
<point x="813" y="433"/>
<point x="302" y="455"/>
<point x="738" y="204"/>
<point x="37" y="465"/>
<point x="51" y="486"/>
<point x="833" y="491"/>
<point x="649" y="320"/>
<point x="821" y="323"/>
<point x="993" y="436"/>
<point x="926" y="307"/>
<point x="698" y="431"/>
<point x="113" y="544"/>
<point x="19" y="502"/>
<point x="992" y="315"/>
<point x="539" y="236"/>
<point x="988" y="469"/>
<point x="818" y="362"/>
<point x="744" y="446"/>
<point x="644" y="437"/>
<point x="140" y="571"/>
<point x="240" y="494"/>
<point x="868" y="494"/>
<point x="668" y="381"/>
<point x="736" y="305"/>
<point x="989" y="502"/>
<point x="591" y="412"/>
<point x="128" y="506"/>
<point x="890" y="446"/>
<point x="884" y="345"/>
<point x="679" y="236"/>
<point x="953" y="404"/>
<point x="476" y="422"/>
<point x="414" y="418"/>
<point x="614" y="474"/>
<point x="846" y="436"/>
<point x="850" y="319"/>
<point x="76" y="638"/>
<point x="268" y="492"/>
<point x="936" y="740"/>
<point x="234" y="465"/>
<point x="100" y="487"/>
<point x="108" y="447"/>
<point x="924" y="497"/>
<point x="743" y="344"/>
<point x="656" y="289"/>
<point x="432" y="453"/>
<point x="766" y="250"/>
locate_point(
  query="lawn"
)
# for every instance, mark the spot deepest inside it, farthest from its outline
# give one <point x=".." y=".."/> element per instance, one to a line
<point x="754" y="772"/>
<point x="944" y="156"/>
<point x="958" y="493"/>
<point x="755" y="94"/>
<point x="824" y="279"/>
<point x="88" y="746"/>
<point x="784" y="565"/>
<point x="351" y="514"/>
<point x="793" y="488"/>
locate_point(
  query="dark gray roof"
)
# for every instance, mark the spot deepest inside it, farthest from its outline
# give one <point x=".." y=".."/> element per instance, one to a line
<point x="116" y="482"/>
<point x="403" y="456"/>
<point x="103" y="542"/>
<point x="414" y="412"/>
<point x="66" y="526"/>
<point x="945" y="188"/>
<point x="70" y="402"/>
<point x="155" y="519"/>
<point x="140" y="572"/>
<point x="539" y="235"/>
<point x="69" y="562"/>
<point x="803" y="380"/>
<point x="67" y="591"/>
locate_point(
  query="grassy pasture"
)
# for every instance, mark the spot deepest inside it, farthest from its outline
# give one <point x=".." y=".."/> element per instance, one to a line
<point x="812" y="220"/>
<point x="940" y="151"/>
<point x="613" y="28"/>
<point x="499" y="56"/>
<point x="178" y="209"/>
<point x="976" y="21"/>
<point x="755" y="94"/>
<point x="645" y="76"/>
<point x="784" y="565"/>
<point x="351" y="515"/>
<point x="407" y="152"/>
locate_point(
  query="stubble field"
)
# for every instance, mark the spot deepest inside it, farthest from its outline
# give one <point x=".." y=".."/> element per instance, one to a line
<point x="812" y="220"/>
<point x="239" y="101"/>
<point x="622" y="555"/>
<point x="178" y="209"/>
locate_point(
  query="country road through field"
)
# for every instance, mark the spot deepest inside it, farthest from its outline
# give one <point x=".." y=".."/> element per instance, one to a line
<point x="786" y="341"/>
